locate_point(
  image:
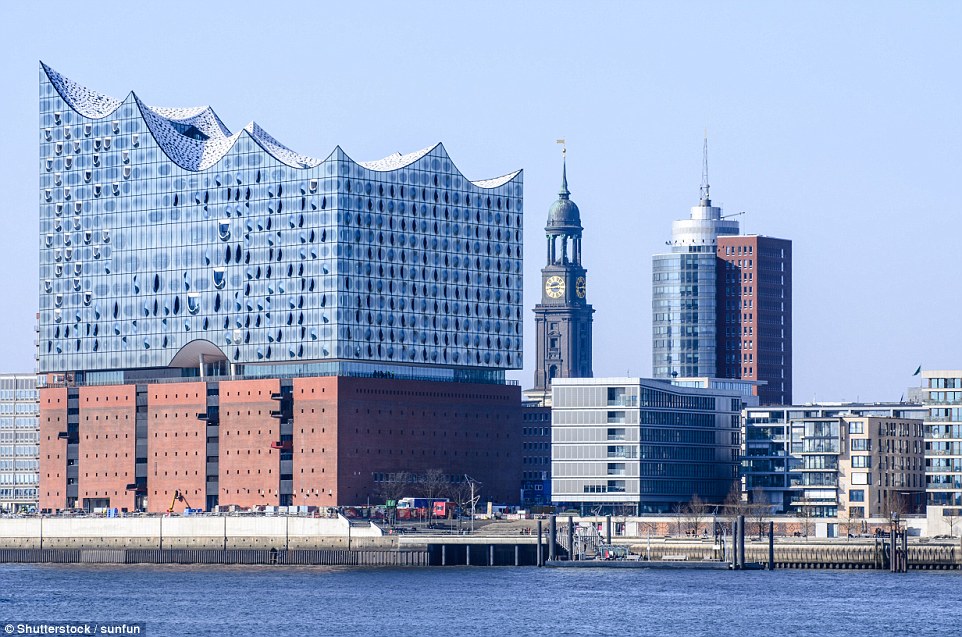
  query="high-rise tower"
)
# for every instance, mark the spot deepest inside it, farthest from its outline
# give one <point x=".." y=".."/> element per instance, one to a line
<point x="684" y="284"/>
<point x="722" y="303"/>
<point x="563" y="318"/>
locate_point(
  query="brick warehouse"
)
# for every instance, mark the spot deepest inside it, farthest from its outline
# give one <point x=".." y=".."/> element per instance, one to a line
<point x="223" y="317"/>
<point x="305" y="441"/>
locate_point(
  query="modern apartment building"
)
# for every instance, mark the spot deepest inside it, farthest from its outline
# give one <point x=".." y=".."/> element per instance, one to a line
<point x="858" y="467"/>
<point x="721" y="303"/>
<point x="633" y="445"/>
<point x="19" y="442"/>
<point x="225" y="317"/>
<point x="942" y="399"/>
<point x="802" y="456"/>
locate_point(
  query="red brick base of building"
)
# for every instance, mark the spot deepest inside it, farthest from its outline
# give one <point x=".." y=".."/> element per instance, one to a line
<point x="318" y="441"/>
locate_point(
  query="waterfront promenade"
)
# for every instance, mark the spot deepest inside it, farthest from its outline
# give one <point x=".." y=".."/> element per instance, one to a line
<point x="339" y="541"/>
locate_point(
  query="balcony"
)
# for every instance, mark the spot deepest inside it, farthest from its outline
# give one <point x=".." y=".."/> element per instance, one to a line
<point x="283" y="445"/>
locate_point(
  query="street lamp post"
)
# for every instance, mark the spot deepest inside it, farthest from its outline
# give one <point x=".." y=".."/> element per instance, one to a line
<point x="472" y="482"/>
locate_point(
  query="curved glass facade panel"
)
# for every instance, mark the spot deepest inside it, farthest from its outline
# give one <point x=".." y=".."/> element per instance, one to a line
<point x="159" y="229"/>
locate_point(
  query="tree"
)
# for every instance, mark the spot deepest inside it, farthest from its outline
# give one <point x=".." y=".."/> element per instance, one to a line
<point x="852" y="520"/>
<point x="896" y="502"/>
<point x="695" y="513"/>
<point x="804" y="513"/>
<point x="679" y="510"/>
<point x="759" y="509"/>
<point x="393" y="488"/>
<point x="952" y="517"/>
<point x="735" y="505"/>
<point x="433" y="484"/>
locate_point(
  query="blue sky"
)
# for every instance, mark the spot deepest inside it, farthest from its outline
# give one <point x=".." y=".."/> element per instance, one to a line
<point x="836" y="125"/>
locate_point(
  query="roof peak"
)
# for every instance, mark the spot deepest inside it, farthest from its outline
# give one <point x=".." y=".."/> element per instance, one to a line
<point x="564" y="193"/>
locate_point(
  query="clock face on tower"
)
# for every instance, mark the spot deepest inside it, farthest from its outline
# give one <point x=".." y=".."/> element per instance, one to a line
<point x="581" y="287"/>
<point x="554" y="287"/>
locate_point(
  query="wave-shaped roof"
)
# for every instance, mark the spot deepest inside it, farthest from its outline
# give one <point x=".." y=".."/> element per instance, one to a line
<point x="195" y="138"/>
<point x="80" y="98"/>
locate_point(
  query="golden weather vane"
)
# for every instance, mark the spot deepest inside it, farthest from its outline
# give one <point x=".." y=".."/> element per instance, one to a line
<point x="564" y="147"/>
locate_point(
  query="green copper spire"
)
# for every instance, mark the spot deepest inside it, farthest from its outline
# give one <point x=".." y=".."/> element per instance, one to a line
<point x="564" y="180"/>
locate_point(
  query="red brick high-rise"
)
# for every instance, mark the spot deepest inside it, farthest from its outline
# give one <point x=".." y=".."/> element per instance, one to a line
<point x="755" y="314"/>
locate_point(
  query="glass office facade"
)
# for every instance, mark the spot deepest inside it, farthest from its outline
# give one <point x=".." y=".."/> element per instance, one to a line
<point x="683" y="306"/>
<point x="19" y="441"/>
<point x="685" y="287"/>
<point x="167" y="240"/>
<point x="638" y="445"/>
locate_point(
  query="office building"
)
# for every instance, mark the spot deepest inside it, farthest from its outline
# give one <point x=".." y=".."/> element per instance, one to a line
<point x="685" y="292"/>
<point x="535" y="455"/>
<point x="780" y="468"/>
<point x="747" y="389"/>
<point x="223" y="316"/>
<point x="721" y="303"/>
<point x="633" y="445"/>
<point x="19" y="440"/>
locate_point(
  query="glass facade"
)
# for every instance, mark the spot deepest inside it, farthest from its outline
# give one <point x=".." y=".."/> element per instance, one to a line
<point x="166" y="240"/>
<point x="19" y="442"/>
<point x="685" y="284"/>
<point x="683" y="306"/>
<point x="633" y="445"/>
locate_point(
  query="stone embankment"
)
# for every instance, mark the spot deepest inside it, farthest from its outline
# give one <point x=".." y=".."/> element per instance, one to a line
<point x="852" y="553"/>
<point x="337" y="541"/>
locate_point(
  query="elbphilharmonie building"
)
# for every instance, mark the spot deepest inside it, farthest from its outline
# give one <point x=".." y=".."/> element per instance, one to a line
<point x="229" y="322"/>
<point x="166" y="239"/>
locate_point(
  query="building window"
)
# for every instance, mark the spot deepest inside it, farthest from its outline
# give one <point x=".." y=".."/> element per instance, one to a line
<point x="861" y="444"/>
<point x="862" y="462"/>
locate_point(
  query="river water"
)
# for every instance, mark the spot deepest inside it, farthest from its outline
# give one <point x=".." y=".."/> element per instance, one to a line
<point x="287" y="601"/>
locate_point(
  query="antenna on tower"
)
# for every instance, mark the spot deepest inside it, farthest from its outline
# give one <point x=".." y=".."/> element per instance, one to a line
<point x="704" y="174"/>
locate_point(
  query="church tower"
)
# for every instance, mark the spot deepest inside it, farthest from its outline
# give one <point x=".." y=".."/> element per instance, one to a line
<point x="563" y="317"/>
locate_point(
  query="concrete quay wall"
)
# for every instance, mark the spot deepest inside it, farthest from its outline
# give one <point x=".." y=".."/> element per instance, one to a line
<point x="830" y="554"/>
<point x="189" y="533"/>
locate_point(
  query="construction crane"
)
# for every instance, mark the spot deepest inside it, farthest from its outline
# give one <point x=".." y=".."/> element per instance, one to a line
<point x="178" y="497"/>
